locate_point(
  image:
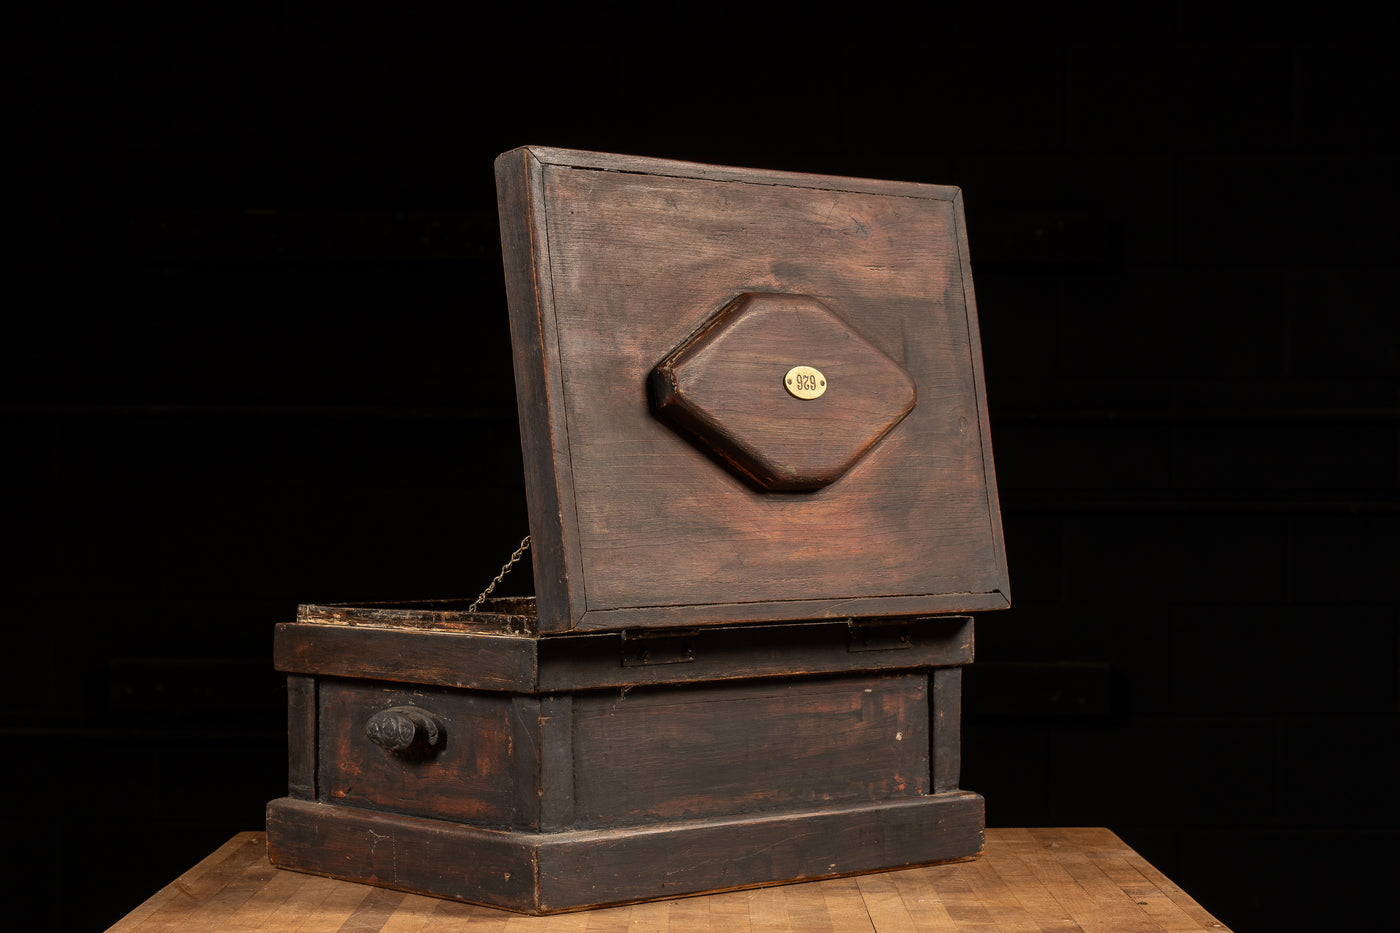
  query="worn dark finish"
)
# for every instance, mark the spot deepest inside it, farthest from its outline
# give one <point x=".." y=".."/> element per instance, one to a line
<point x="628" y="259"/>
<point x="548" y="872"/>
<point x="466" y="777"/>
<point x="526" y="746"/>
<point x="301" y="736"/>
<point x="534" y="345"/>
<point x="585" y="662"/>
<point x="511" y="615"/>
<point x="421" y="654"/>
<point x="383" y="653"/>
<point x="407" y="730"/>
<point x="738" y="613"/>
<point x="742" y="662"/>
<point x="555" y="784"/>
<point x="724" y="386"/>
<point x="945" y="716"/>
<point x="699" y="751"/>
<point x="807" y="724"/>
<point x="713" y="855"/>
<point x="409" y="853"/>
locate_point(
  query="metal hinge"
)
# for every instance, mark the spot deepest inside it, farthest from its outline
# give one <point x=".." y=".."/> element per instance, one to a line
<point x="641" y="650"/>
<point x="878" y="637"/>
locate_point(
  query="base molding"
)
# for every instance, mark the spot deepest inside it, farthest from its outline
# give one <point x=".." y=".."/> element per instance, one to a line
<point x="540" y="873"/>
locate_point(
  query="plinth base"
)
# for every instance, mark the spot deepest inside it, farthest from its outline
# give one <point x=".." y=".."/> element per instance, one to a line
<point x="542" y="873"/>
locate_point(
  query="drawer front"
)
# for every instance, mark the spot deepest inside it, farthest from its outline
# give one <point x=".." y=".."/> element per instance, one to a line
<point x="465" y="776"/>
<point x="714" y="750"/>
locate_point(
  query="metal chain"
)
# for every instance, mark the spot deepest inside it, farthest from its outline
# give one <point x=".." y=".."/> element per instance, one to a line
<point x="510" y="565"/>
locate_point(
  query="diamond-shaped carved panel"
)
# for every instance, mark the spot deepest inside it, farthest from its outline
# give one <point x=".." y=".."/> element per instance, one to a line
<point x="782" y="391"/>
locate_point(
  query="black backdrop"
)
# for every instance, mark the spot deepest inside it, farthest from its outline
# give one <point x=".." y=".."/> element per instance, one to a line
<point x="258" y="356"/>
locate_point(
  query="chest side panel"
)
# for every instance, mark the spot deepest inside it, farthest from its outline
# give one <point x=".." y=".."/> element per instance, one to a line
<point x="687" y="752"/>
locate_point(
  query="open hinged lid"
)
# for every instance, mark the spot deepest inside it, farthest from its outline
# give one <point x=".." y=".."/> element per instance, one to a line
<point x="745" y="395"/>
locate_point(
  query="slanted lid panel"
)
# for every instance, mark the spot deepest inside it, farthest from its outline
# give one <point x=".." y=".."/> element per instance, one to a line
<point x="756" y="503"/>
<point x="1002" y="575"/>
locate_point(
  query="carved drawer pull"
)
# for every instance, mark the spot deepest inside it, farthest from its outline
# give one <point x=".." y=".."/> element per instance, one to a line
<point x="406" y="730"/>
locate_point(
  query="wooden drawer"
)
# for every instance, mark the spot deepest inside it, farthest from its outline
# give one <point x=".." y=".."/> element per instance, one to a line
<point x="468" y="778"/>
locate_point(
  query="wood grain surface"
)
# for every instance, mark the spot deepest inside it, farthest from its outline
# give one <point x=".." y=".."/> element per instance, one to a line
<point x="725" y="387"/>
<point x="467" y="778"/>
<point x="751" y="746"/>
<point x="449" y="658"/>
<point x="550" y="872"/>
<point x="1028" y="880"/>
<point x="636" y="766"/>
<point x="639" y="528"/>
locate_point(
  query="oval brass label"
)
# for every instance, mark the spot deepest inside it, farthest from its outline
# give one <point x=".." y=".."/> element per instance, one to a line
<point x="804" y="382"/>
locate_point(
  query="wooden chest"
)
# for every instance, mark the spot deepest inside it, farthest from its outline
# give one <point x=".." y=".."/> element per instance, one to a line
<point x="761" y="501"/>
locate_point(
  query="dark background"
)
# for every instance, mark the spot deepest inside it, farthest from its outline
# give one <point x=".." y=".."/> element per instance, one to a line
<point x="257" y="355"/>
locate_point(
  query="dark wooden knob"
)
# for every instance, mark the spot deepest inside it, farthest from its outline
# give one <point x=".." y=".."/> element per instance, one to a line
<point x="405" y="729"/>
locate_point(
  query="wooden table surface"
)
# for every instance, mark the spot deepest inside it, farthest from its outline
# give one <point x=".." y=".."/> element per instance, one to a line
<point x="1028" y="879"/>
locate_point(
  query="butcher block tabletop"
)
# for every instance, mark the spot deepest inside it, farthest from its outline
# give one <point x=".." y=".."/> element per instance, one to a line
<point x="1028" y="879"/>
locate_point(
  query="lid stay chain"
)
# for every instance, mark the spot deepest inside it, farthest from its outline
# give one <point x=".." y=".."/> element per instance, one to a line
<point x="509" y="565"/>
